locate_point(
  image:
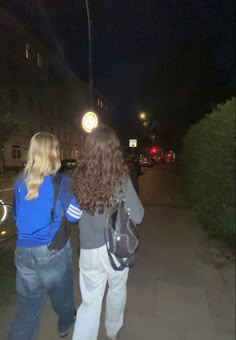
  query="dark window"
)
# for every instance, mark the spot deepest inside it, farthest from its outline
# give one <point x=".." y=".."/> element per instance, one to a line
<point x="16" y="151"/>
<point x="49" y="72"/>
<point x="41" y="128"/>
<point x="52" y="130"/>
<point x="12" y="67"/>
<point x="40" y="107"/>
<point x="29" y="77"/>
<point x="31" y="131"/>
<point x="30" y="103"/>
<point x="52" y="109"/>
<point x="40" y="87"/>
<point x="14" y="97"/>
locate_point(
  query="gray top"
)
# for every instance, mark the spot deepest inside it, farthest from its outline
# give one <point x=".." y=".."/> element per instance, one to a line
<point x="92" y="226"/>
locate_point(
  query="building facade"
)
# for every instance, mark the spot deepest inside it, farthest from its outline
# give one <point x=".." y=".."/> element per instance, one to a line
<point x="41" y="93"/>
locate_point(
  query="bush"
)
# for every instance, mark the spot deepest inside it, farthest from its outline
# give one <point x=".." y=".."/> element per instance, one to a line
<point x="208" y="168"/>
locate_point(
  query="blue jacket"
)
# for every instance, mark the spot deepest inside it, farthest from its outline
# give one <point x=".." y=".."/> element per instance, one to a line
<point x="33" y="217"/>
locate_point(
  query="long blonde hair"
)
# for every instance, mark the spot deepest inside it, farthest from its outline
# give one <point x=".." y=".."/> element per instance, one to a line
<point x="43" y="160"/>
<point x="100" y="169"/>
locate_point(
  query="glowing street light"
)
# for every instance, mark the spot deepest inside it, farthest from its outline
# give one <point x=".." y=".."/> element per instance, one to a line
<point x="142" y="116"/>
<point x="89" y="121"/>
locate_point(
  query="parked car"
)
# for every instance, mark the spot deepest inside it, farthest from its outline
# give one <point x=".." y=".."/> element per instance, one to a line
<point x="134" y="170"/>
<point x="7" y="223"/>
<point x="169" y="157"/>
<point x="68" y="164"/>
<point x="145" y="161"/>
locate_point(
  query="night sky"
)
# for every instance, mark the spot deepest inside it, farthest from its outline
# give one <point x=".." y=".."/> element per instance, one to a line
<point x="174" y="59"/>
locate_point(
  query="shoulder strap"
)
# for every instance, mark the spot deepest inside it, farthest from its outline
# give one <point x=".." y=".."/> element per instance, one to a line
<point x="56" y="181"/>
<point x="123" y="263"/>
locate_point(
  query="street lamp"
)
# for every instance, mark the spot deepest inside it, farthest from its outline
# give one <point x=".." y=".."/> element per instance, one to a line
<point x="89" y="121"/>
<point x="90" y="56"/>
<point x="142" y="116"/>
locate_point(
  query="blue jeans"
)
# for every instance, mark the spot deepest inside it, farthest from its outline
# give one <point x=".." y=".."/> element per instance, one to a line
<point x="40" y="272"/>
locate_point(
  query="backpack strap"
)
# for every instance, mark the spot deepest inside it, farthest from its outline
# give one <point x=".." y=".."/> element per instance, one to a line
<point x="56" y="181"/>
<point x="123" y="263"/>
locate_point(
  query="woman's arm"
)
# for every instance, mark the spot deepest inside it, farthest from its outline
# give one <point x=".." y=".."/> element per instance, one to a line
<point x="133" y="202"/>
<point x="71" y="207"/>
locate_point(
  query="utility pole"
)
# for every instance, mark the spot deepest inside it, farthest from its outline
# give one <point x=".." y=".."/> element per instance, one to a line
<point x="90" y="57"/>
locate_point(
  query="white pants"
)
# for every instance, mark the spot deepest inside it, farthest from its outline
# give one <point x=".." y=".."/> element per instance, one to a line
<point x="95" y="272"/>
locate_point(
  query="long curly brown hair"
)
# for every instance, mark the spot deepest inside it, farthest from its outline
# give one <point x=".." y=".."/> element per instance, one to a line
<point x="99" y="171"/>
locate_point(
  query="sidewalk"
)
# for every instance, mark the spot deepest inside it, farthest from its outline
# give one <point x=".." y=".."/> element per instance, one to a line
<point x="176" y="291"/>
<point x="179" y="288"/>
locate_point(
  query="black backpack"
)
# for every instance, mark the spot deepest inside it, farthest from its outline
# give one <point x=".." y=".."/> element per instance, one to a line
<point x="63" y="233"/>
<point x="121" y="237"/>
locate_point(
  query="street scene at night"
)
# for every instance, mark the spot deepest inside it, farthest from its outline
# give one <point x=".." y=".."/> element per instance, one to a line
<point x="117" y="170"/>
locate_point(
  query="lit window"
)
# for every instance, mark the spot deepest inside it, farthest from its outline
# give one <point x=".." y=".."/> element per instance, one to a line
<point x="28" y="54"/>
<point x="101" y="104"/>
<point x="16" y="151"/>
<point x="98" y="102"/>
<point x="14" y="97"/>
<point x="39" y="61"/>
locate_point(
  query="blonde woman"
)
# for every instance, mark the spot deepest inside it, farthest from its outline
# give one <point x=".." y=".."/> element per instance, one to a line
<point x="41" y="271"/>
<point x="100" y="176"/>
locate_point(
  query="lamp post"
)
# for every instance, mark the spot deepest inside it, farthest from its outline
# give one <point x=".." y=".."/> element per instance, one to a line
<point x="90" y="56"/>
<point x="90" y="119"/>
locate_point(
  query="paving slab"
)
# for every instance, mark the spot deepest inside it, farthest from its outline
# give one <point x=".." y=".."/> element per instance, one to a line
<point x="139" y="327"/>
<point x="185" y="304"/>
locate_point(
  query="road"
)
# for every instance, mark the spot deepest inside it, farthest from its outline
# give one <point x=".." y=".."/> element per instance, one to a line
<point x="182" y="287"/>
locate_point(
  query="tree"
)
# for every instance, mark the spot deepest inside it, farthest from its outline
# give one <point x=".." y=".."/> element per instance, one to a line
<point x="7" y="127"/>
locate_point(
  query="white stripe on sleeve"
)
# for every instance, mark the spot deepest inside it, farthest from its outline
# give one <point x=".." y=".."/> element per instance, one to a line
<point x="74" y="208"/>
<point x="76" y="214"/>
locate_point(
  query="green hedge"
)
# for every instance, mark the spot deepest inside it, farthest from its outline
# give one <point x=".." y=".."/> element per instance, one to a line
<point x="208" y="168"/>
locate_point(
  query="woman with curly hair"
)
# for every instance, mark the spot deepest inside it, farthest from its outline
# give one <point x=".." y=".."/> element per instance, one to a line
<point x="100" y="177"/>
